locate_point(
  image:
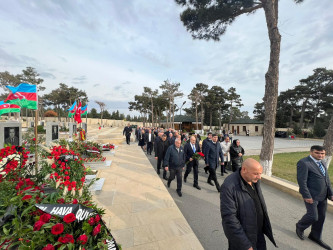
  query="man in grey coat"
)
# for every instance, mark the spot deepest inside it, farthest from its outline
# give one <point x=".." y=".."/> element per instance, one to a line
<point x="315" y="187"/>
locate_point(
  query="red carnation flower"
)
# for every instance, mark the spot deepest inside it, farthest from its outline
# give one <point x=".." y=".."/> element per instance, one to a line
<point x="75" y="201"/>
<point x="97" y="229"/>
<point x="91" y="221"/>
<point x="38" y="225"/>
<point x="61" y="201"/>
<point x="48" y="247"/>
<point x="82" y="239"/>
<point x="45" y="218"/>
<point x="57" y="229"/>
<point x="69" y="218"/>
<point x="34" y="139"/>
<point x="27" y="197"/>
<point x="97" y="218"/>
<point x="67" y="239"/>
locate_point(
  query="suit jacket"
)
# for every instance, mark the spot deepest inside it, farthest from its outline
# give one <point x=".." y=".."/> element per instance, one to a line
<point x="213" y="153"/>
<point x="312" y="183"/>
<point x="189" y="150"/>
<point x="204" y="145"/>
<point x="127" y="131"/>
<point x="147" y="137"/>
<point x="16" y="141"/>
<point x="161" y="148"/>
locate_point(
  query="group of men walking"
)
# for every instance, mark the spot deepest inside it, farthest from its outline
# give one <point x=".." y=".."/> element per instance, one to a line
<point x="244" y="213"/>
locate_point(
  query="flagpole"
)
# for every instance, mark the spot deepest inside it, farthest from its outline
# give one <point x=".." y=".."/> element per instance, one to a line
<point x="36" y="135"/>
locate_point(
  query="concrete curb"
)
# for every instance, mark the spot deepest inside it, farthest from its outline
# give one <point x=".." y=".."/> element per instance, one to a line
<point x="289" y="189"/>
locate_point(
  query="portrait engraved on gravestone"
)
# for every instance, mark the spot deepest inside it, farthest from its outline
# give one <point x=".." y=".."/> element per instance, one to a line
<point x="12" y="136"/>
<point x="55" y="134"/>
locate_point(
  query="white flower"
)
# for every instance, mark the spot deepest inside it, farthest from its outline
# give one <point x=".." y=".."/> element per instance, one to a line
<point x="65" y="191"/>
<point x="73" y="192"/>
<point x="50" y="161"/>
<point x="58" y="183"/>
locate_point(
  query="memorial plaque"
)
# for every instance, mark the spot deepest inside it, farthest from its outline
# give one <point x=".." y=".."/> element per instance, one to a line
<point x="52" y="132"/>
<point x="10" y="134"/>
<point x="72" y="129"/>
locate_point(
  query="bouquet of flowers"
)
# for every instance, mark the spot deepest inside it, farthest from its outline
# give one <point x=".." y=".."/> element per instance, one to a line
<point x="197" y="156"/>
<point x="107" y="147"/>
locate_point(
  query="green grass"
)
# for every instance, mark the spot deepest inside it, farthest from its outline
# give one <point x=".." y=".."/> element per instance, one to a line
<point x="284" y="165"/>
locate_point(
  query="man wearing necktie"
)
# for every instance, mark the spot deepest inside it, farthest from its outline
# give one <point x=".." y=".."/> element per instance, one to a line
<point x="190" y="149"/>
<point x="315" y="187"/>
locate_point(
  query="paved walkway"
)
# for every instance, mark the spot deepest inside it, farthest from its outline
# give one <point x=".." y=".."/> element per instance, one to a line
<point x="139" y="210"/>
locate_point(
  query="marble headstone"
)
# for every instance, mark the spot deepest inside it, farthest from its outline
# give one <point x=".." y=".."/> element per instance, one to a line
<point x="52" y="132"/>
<point x="10" y="133"/>
<point x="72" y="129"/>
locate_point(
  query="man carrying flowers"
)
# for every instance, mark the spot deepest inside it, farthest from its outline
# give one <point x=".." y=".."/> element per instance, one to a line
<point x="192" y="154"/>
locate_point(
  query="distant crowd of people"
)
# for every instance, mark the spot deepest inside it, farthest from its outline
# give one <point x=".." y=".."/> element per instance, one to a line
<point x="244" y="213"/>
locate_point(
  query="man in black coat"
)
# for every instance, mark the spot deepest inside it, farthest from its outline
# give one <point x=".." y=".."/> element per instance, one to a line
<point x="127" y="132"/>
<point x="150" y="137"/>
<point x="174" y="161"/>
<point x="190" y="149"/>
<point x="212" y="155"/>
<point x="315" y="187"/>
<point x="204" y="146"/>
<point x="160" y="151"/>
<point x="244" y="214"/>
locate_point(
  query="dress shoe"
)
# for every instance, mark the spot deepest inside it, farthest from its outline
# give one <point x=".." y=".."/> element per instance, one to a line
<point x="179" y="193"/>
<point x="185" y="177"/>
<point x="158" y="172"/>
<point x="168" y="184"/>
<point x="164" y="177"/>
<point x="225" y="172"/>
<point x="299" y="233"/>
<point x="210" y="183"/>
<point x="319" y="242"/>
<point x="197" y="187"/>
<point x="222" y="174"/>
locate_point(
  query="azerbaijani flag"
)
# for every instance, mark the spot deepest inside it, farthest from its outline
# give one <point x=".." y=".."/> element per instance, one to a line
<point x="24" y="95"/>
<point x="8" y="108"/>
<point x="72" y="110"/>
<point x="84" y="110"/>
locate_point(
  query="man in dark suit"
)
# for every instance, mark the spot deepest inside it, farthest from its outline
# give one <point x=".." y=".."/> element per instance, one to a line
<point x="212" y="155"/>
<point x="171" y="139"/>
<point x="160" y="151"/>
<point x="204" y="146"/>
<point x="127" y="132"/>
<point x="190" y="149"/>
<point x="12" y="139"/>
<point x="150" y="137"/>
<point x="174" y="161"/>
<point x="315" y="187"/>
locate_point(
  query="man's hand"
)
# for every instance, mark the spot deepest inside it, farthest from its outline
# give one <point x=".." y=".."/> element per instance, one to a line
<point x="222" y="163"/>
<point x="191" y="159"/>
<point x="156" y="158"/>
<point x="240" y="154"/>
<point x="310" y="201"/>
<point x="166" y="168"/>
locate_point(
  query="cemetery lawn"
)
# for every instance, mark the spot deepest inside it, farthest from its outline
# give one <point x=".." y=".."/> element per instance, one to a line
<point x="284" y="165"/>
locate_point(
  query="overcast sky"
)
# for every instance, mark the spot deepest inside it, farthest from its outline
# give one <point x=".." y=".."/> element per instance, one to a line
<point x="112" y="48"/>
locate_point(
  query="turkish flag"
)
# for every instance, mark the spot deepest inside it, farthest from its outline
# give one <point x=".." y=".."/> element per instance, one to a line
<point x="77" y="116"/>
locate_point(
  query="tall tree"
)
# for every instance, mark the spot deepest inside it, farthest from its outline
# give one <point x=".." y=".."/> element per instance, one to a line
<point x="259" y="111"/>
<point x="194" y="96"/>
<point x="234" y="100"/>
<point x="102" y="107"/>
<point x="202" y="90"/>
<point x="171" y="92"/>
<point x="208" y="19"/>
<point x="328" y="143"/>
<point x="151" y="94"/>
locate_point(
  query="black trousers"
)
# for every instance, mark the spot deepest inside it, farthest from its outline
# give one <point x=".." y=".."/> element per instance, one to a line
<point x="315" y="217"/>
<point x="235" y="166"/>
<point x="128" y="138"/>
<point x="159" y="164"/>
<point x="212" y="176"/>
<point x="176" y="172"/>
<point x="149" y="147"/>
<point x="193" y="164"/>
